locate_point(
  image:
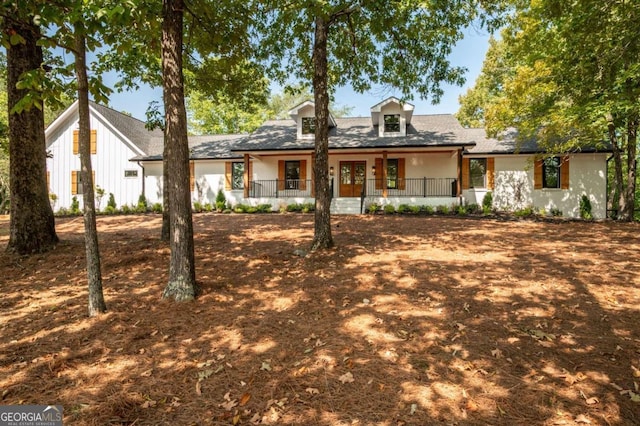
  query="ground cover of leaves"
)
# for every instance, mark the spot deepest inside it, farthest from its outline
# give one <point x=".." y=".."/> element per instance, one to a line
<point x="408" y="321"/>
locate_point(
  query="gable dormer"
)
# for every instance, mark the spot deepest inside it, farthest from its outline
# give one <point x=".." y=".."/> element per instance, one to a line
<point x="305" y="117"/>
<point x="392" y="117"/>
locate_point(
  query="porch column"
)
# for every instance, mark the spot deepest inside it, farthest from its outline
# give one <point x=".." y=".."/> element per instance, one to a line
<point x="384" y="174"/>
<point x="246" y="176"/>
<point x="459" y="173"/>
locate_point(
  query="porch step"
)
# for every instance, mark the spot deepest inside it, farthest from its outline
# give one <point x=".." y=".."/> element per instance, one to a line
<point x="345" y="206"/>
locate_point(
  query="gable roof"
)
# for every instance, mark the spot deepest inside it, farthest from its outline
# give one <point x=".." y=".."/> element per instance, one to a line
<point x="441" y="130"/>
<point x="204" y="147"/>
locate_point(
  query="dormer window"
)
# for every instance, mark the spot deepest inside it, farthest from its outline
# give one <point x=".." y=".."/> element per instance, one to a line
<point x="392" y="123"/>
<point x="308" y="125"/>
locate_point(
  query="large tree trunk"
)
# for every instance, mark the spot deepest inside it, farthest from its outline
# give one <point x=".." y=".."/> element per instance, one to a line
<point x="182" y="276"/>
<point x="322" y="225"/>
<point x="32" y="225"/>
<point x="166" y="208"/>
<point x="618" y="202"/>
<point x="94" y="275"/>
<point x="630" y="190"/>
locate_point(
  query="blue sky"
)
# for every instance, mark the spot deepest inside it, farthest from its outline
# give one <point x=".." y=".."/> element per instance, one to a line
<point x="468" y="53"/>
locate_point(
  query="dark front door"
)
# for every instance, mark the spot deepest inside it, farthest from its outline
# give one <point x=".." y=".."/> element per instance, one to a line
<point x="352" y="177"/>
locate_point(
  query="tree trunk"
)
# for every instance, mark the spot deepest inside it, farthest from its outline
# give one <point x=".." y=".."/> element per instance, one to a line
<point x="618" y="202"/>
<point x="32" y="225"/>
<point x="166" y="208"/>
<point x="182" y="276"/>
<point x="630" y="190"/>
<point x="94" y="276"/>
<point x="322" y="238"/>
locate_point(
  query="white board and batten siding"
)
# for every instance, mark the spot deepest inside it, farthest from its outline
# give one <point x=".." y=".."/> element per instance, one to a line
<point x="109" y="164"/>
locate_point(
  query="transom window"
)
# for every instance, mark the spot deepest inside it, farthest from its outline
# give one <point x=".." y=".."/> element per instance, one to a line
<point x="131" y="173"/>
<point x="477" y="172"/>
<point x="392" y="174"/>
<point x="237" y="175"/>
<point x="292" y="174"/>
<point x="308" y="125"/>
<point x="551" y="172"/>
<point x="392" y="123"/>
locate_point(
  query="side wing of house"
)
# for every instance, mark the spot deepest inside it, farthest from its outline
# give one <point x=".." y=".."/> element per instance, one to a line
<point x="110" y="156"/>
<point x="520" y="181"/>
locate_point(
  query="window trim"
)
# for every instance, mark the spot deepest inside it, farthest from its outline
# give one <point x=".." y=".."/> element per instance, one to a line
<point x="558" y="167"/>
<point x="235" y="164"/>
<point x="484" y="175"/>
<point x="394" y="123"/>
<point x="310" y="128"/>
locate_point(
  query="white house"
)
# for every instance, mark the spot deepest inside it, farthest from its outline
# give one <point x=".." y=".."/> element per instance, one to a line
<point x="392" y="157"/>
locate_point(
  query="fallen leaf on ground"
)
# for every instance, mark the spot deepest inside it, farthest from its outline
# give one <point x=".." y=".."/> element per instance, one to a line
<point x="581" y="418"/>
<point x="346" y="378"/>
<point x="244" y="398"/>
<point x="265" y="366"/>
<point x="148" y="403"/>
<point x="496" y="353"/>
<point x="312" y="391"/>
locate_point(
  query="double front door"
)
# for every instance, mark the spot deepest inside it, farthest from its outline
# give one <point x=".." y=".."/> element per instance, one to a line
<point x="353" y="176"/>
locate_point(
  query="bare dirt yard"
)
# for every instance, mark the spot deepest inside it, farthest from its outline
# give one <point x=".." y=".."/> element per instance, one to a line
<point x="408" y="321"/>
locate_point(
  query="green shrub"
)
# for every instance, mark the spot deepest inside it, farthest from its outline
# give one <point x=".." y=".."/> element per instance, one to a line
<point x="207" y="207"/>
<point x="63" y="211"/>
<point x="308" y="207"/>
<point x="461" y="210"/>
<point x="125" y="209"/>
<point x="226" y="211"/>
<point x="473" y="208"/>
<point x="110" y="210"/>
<point x="486" y="210"/>
<point x="403" y="208"/>
<point x="221" y="201"/>
<point x="75" y="205"/>
<point x="428" y="209"/>
<point x="142" y="205"/>
<point x="112" y="201"/>
<point x="443" y="209"/>
<point x="585" y="208"/>
<point x="264" y="208"/>
<point x="414" y="209"/>
<point x="156" y="208"/>
<point x="556" y="212"/>
<point x="525" y="212"/>
<point x="374" y="208"/>
<point x="294" y="207"/>
<point x="197" y="207"/>
<point x="252" y="210"/>
<point x="389" y="209"/>
<point x="487" y="202"/>
<point x="241" y="208"/>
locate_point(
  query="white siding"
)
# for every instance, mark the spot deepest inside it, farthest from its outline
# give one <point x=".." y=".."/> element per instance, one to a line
<point x="514" y="186"/>
<point x="109" y="163"/>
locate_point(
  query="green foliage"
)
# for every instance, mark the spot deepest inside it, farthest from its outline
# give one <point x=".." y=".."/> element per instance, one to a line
<point x="75" y="205"/>
<point x="221" y="200"/>
<point x="585" y="208"/>
<point x="428" y="210"/>
<point x="110" y="210"/>
<point x="156" y="208"/>
<point x="62" y="211"/>
<point x="473" y="208"/>
<point x="487" y="201"/>
<point x="403" y="208"/>
<point x="142" y="206"/>
<point x="414" y="209"/>
<point x="389" y="209"/>
<point x="197" y="207"/>
<point x="461" y="210"/>
<point x="443" y="209"/>
<point x="126" y="209"/>
<point x="373" y="208"/>
<point x="112" y="201"/>
<point x="208" y="207"/>
<point x="525" y="212"/>
<point x="555" y="212"/>
<point x="300" y="207"/>
<point x="241" y="208"/>
<point x="264" y="208"/>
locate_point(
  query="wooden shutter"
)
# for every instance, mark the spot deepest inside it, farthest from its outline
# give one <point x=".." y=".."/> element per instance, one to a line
<point x="465" y="173"/>
<point x="303" y="175"/>
<point x="564" y="173"/>
<point x="74" y="182"/>
<point x="228" y="175"/>
<point x="280" y="175"/>
<point x="76" y="136"/>
<point x="192" y="176"/>
<point x="94" y="141"/>
<point x="537" y="174"/>
<point x="491" y="166"/>
<point x="401" y="172"/>
<point x="378" y="166"/>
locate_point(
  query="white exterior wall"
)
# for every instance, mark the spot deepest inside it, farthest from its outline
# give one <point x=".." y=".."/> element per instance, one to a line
<point x="514" y="186"/>
<point x="109" y="163"/>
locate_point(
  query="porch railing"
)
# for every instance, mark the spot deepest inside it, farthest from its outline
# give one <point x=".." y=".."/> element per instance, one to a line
<point x="280" y="188"/>
<point x="411" y="187"/>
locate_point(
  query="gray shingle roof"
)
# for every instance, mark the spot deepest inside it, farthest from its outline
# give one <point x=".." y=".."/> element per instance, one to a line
<point x="424" y="131"/>
<point x="206" y="147"/>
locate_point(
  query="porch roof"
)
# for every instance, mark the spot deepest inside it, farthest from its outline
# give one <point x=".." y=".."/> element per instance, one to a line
<point x="426" y="131"/>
